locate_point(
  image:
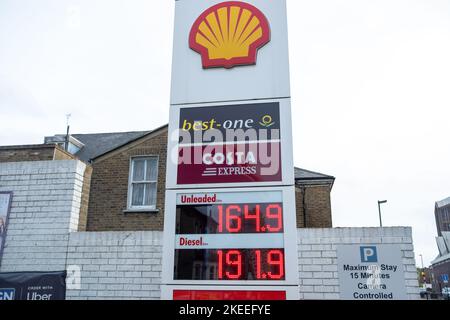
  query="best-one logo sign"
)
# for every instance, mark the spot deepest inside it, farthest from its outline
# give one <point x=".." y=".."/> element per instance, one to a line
<point x="236" y="122"/>
<point x="229" y="34"/>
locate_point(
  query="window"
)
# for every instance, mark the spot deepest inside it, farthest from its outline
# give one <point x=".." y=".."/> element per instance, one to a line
<point x="143" y="183"/>
<point x="72" y="148"/>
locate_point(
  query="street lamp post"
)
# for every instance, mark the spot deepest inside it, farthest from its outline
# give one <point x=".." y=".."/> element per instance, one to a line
<point x="422" y="271"/>
<point x="422" y="275"/>
<point x="379" y="210"/>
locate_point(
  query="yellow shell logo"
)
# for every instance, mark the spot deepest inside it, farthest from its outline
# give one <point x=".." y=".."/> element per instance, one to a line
<point x="229" y="34"/>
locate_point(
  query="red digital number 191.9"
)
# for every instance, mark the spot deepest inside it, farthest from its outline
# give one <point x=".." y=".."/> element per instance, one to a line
<point x="269" y="264"/>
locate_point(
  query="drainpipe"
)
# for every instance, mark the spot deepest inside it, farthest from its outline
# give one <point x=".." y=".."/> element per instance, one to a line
<point x="304" y="205"/>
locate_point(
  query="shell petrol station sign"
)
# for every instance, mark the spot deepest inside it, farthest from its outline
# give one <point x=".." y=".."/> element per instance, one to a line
<point x="229" y="34"/>
<point x="230" y="223"/>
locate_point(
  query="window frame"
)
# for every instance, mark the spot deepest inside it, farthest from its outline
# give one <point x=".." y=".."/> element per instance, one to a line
<point x="130" y="206"/>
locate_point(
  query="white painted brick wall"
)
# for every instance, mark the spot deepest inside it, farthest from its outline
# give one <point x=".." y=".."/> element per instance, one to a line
<point x="318" y="257"/>
<point x="127" y="265"/>
<point x="45" y="199"/>
<point x="116" y="265"/>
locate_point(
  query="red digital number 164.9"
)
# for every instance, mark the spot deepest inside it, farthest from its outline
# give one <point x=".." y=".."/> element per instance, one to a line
<point x="231" y="217"/>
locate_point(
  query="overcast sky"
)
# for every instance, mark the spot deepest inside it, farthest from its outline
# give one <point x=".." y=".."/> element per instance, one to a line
<point x="370" y="84"/>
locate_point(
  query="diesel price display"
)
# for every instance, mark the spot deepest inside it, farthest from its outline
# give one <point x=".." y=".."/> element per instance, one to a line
<point x="228" y="237"/>
<point x="230" y="264"/>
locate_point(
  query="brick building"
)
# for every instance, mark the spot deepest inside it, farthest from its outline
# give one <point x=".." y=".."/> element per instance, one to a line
<point x="119" y="200"/>
<point x="442" y="215"/>
<point x="39" y="152"/>
<point x="441" y="265"/>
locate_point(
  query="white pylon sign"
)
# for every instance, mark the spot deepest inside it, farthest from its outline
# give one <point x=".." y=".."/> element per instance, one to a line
<point x="230" y="217"/>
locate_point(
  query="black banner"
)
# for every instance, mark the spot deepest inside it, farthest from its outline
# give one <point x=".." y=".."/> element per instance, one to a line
<point x="246" y="117"/>
<point x="33" y="285"/>
<point x="222" y="310"/>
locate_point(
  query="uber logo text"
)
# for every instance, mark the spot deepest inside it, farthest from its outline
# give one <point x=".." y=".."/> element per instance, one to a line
<point x="7" y="294"/>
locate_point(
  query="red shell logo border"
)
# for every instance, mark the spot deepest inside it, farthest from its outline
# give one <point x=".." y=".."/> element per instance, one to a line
<point x="233" y="62"/>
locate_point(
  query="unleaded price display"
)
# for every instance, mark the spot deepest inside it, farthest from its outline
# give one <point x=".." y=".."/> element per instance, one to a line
<point x="230" y="218"/>
<point x="224" y="237"/>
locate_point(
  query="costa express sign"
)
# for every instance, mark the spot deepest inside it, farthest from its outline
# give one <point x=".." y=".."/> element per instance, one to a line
<point x="230" y="163"/>
<point x="229" y="34"/>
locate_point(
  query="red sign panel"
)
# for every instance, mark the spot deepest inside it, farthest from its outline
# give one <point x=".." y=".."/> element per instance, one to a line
<point x="232" y="163"/>
<point x="228" y="295"/>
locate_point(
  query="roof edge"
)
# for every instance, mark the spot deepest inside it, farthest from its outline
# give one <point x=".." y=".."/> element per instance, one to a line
<point x="28" y="146"/>
<point x="321" y="176"/>
<point x="442" y="203"/>
<point x="131" y="141"/>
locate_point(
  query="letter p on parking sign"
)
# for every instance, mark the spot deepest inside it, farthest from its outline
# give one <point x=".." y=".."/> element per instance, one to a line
<point x="368" y="254"/>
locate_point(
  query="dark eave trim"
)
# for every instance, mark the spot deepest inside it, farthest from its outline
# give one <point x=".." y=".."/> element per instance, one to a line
<point x="131" y="141"/>
<point x="28" y="146"/>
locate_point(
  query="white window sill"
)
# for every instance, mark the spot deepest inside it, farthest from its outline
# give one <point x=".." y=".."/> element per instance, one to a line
<point x="143" y="210"/>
